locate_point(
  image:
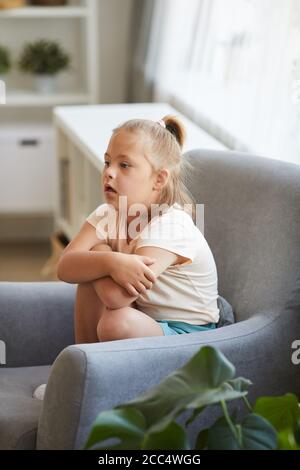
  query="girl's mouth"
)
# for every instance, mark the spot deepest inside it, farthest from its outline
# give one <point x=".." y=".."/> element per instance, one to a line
<point x="109" y="189"/>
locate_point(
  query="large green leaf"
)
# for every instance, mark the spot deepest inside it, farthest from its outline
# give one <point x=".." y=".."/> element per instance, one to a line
<point x="201" y="441"/>
<point x="173" y="437"/>
<point x="255" y="433"/>
<point x="287" y="441"/>
<point x="200" y="382"/>
<point x="240" y="384"/>
<point x="283" y="412"/>
<point x="126" y="425"/>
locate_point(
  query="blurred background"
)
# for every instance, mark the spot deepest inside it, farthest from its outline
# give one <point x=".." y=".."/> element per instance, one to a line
<point x="232" y="67"/>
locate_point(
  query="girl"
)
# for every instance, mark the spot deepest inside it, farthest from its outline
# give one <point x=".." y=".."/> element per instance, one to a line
<point x="160" y="280"/>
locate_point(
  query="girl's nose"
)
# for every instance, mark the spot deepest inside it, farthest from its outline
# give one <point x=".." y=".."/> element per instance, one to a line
<point x="110" y="172"/>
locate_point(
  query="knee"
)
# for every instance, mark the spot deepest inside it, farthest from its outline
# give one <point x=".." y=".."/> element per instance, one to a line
<point x="113" y="325"/>
<point x="110" y="295"/>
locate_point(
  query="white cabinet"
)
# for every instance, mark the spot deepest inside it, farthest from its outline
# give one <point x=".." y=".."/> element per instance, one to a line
<point x="26" y="170"/>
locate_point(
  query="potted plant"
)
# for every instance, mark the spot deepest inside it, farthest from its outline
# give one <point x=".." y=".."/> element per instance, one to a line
<point x="149" y="421"/>
<point x="44" y="59"/>
<point x="5" y="62"/>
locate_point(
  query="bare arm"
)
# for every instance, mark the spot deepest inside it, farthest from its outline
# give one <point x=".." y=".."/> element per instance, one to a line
<point x="110" y="293"/>
<point x="78" y="264"/>
<point x="85" y="266"/>
<point x="115" y="296"/>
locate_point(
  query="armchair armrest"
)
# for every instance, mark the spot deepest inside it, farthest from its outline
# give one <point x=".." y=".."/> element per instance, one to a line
<point x="89" y="378"/>
<point x="36" y="321"/>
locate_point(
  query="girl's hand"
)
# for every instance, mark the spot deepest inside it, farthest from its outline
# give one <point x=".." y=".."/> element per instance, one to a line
<point x="132" y="272"/>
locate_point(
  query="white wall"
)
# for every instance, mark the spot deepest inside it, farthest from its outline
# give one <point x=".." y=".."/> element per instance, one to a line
<point x="115" y="25"/>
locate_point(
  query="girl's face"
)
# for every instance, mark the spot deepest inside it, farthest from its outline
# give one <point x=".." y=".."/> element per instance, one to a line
<point x="127" y="171"/>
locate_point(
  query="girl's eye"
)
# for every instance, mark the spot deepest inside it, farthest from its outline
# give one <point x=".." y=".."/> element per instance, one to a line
<point x="124" y="165"/>
<point x="106" y="163"/>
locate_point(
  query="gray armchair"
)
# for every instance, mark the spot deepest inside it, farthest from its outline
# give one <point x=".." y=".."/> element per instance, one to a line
<point x="252" y="223"/>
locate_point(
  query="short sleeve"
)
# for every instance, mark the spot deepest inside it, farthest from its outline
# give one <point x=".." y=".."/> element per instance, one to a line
<point x="99" y="219"/>
<point x="173" y="232"/>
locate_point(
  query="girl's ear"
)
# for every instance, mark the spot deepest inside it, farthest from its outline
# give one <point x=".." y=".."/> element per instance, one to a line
<point x="161" y="179"/>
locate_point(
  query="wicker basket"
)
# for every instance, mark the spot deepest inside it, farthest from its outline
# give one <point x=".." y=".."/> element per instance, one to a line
<point x="58" y="244"/>
<point x="6" y="4"/>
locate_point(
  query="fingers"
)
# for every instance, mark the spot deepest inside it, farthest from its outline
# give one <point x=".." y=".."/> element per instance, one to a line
<point x="150" y="275"/>
<point x="148" y="260"/>
<point x="131" y="290"/>
<point x="139" y="288"/>
<point x="148" y="284"/>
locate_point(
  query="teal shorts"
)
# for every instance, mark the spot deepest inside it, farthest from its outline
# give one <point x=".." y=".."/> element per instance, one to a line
<point x="180" y="327"/>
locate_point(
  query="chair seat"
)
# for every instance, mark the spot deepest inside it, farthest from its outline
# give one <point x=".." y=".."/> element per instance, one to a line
<point x="19" y="411"/>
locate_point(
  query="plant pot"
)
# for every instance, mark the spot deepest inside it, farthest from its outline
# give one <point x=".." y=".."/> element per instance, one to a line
<point x="45" y="84"/>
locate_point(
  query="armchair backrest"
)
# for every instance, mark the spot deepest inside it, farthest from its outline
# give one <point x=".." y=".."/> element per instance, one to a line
<point x="252" y="224"/>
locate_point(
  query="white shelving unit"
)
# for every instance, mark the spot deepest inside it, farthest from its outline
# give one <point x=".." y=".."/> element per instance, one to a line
<point x="20" y="98"/>
<point x="74" y="26"/>
<point x="27" y="155"/>
<point x="45" y="12"/>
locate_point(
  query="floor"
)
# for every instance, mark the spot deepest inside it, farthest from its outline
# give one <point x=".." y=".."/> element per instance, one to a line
<point x="24" y="261"/>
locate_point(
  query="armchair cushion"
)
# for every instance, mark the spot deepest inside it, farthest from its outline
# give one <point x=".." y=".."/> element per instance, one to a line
<point x="19" y="411"/>
<point x="226" y="312"/>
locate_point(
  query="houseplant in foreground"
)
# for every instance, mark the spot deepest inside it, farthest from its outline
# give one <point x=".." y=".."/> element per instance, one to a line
<point x="148" y="422"/>
<point x="44" y="59"/>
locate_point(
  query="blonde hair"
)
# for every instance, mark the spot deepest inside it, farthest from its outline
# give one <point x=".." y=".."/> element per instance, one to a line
<point x="164" y="150"/>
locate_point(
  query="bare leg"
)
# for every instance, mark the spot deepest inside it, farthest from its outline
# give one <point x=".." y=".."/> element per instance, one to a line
<point x="88" y="311"/>
<point x="126" y="322"/>
<point x="88" y="308"/>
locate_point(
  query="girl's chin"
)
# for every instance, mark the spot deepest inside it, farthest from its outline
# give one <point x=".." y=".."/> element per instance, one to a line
<point x="110" y="195"/>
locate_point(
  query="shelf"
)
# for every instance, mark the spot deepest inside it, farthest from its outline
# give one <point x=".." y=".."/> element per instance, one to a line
<point x="34" y="99"/>
<point x="45" y="12"/>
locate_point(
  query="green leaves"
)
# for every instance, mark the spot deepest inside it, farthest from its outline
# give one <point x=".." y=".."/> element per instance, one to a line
<point x="203" y="381"/>
<point x="173" y="437"/>
<point x="43" y="57"/>
<point x="254" y="433"/>
<point x="148" y="422"/>
<point x="284" y="414"/>
<point x="127" y="426"/>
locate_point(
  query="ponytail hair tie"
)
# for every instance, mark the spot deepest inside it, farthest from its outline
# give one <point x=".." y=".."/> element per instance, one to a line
<point x="162" y="123"/>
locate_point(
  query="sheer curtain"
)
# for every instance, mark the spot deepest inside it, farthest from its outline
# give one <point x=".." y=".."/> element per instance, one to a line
<point x="233" y="66"/>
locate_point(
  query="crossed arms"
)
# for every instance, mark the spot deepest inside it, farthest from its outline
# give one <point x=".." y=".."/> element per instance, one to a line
<point x="86" y="259"/>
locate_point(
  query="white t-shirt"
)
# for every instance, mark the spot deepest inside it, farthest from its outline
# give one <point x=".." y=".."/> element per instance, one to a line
<point x="184" y="292"/>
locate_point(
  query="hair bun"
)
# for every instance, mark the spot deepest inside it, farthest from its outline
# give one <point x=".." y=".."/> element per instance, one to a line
<point x="175" y="126"/>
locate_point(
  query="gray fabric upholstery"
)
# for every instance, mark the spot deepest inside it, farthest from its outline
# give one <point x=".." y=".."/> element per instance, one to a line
<point x="252" y="214"/>
<point x="19" y="412"/>
<point x="252" y="223"/>
<point x="226" y="312"/>
<point x="36" y="321"/>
